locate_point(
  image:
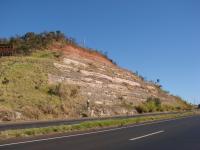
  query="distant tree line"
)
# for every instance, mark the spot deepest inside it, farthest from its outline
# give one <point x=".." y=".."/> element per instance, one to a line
<point x="31" y="41"/>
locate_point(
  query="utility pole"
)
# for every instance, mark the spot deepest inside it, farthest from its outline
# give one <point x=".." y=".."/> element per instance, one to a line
<point x="84" y="42"/>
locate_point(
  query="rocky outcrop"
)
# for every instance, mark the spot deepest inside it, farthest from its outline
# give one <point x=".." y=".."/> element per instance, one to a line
<point x="109" y="89"/>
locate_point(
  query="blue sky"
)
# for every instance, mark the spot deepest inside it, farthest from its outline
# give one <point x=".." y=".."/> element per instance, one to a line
<point x="157" y="38"/>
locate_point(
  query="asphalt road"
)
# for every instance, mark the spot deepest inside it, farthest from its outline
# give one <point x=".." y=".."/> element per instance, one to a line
<point x="180" y="134"/>
<point x="37" y="124"/>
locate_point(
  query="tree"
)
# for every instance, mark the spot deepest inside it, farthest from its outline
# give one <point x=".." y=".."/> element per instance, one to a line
<point x="158" y="81"/>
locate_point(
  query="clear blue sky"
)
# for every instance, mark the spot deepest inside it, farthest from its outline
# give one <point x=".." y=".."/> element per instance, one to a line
<point x="157" y="38"/>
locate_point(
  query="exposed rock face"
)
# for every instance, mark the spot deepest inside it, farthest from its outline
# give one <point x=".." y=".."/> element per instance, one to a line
<point x="109" y="89"/>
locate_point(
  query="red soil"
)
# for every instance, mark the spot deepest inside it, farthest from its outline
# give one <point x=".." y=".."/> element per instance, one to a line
<point x="73" y="51"/>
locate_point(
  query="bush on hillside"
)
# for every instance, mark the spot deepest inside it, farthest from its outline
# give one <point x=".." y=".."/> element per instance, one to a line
<point x="151" y="105"/>
<point x="54" y="89"/>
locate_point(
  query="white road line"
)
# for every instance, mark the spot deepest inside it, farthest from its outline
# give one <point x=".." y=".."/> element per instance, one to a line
<point x="150" y="134"/>
<point x="89" y="133"/>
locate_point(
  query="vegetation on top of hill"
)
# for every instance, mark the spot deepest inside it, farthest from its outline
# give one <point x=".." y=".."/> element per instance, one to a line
<point x="30" y="42"/>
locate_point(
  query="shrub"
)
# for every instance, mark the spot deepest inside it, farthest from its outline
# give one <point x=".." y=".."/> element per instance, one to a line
<point x="54" y="90"/>
<point x="151" y="105"/>
<point x="141" y="108"/>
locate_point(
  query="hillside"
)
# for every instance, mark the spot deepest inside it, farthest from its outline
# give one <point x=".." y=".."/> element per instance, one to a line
<point x="63" y="80"/>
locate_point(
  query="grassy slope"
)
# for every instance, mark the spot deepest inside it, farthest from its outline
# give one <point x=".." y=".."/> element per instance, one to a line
<point x="27" y="87"/>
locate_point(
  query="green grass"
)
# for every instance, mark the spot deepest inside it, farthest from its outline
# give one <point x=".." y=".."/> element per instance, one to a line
<point x="85" y="126"/>
<point x="24" y="87"/>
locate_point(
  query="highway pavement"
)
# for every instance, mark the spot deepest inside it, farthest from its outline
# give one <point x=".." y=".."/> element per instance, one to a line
<point x="174" y="134"/>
